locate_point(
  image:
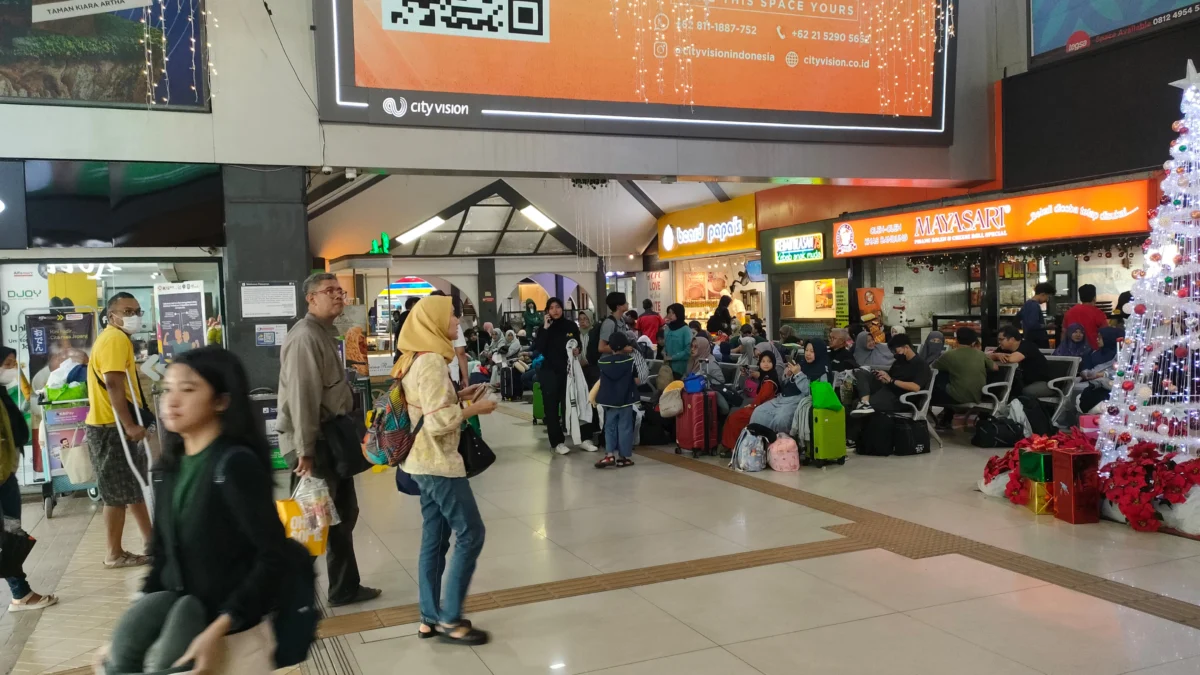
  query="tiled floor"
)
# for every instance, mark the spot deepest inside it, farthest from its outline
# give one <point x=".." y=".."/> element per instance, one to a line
<point x="870" y="611"/>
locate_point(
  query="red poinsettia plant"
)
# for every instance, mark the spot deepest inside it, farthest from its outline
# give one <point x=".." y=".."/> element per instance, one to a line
<point x="1146" y="477"/>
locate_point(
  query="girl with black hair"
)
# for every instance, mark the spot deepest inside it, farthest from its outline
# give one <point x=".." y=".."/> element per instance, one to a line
<point x="218" y="545"/>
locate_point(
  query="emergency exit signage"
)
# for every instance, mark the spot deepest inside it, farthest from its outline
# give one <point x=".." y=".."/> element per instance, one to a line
<point x="800" y="248"/>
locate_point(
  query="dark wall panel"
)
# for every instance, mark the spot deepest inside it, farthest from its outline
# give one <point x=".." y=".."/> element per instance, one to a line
<point x="1103" y="114"/>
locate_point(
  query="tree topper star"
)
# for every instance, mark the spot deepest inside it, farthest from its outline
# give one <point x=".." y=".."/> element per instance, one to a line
<point x="1192" y="79"/>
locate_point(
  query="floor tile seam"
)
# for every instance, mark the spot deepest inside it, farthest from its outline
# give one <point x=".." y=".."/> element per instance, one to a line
<point x="688" y="568"/>
<point x="964" y="640"/>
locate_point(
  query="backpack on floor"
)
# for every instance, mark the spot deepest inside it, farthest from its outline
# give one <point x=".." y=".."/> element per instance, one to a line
<point x="1039" y="421"/>
<point x="911" y="437"/>
<point x="784" y="454"/>
<point x="296" y="614"/>
<point x="749" y="453"/>
<point x="994" y="432"/>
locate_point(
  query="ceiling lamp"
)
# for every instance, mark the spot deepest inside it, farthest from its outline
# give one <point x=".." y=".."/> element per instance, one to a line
<point x="540" y="219"/>
<point x="422" y="229"/>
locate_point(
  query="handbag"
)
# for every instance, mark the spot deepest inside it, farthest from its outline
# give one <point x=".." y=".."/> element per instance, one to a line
<point x="78" y="463"/>
<point x="476" y="454"/>
<point x="343" y="436"/>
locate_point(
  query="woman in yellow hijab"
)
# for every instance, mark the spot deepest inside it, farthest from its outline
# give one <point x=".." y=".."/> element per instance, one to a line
<point x="447" y="502"/>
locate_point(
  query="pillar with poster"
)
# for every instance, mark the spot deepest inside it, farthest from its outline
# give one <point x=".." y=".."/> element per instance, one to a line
<point x="181" y="317"/>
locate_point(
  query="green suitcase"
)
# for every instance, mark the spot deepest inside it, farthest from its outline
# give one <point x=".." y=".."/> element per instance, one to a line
<point x="829" y="437"/>
<point x="539" y="411"/>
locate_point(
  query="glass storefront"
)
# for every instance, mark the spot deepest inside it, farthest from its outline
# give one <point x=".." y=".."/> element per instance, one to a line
<point x="700" y="283"/>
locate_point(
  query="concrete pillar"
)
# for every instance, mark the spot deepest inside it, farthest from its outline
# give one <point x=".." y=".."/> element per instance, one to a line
<point x="266" y="240"/>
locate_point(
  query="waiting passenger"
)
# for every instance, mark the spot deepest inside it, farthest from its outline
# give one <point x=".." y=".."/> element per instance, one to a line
<point x="841" y="352"/>
<point x="933" y="347"/>
<point x="1074" y="342"/>
<point x="962" y="375"/>
<point x="1031" y="314"/>
<point x="1086" y="315"/>
<point x="908" y="374"/>
<point x="1033" y="369"/>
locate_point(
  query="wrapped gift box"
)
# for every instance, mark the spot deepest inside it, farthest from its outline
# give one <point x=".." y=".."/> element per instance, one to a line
<point x="1040" y="500"/>
<point x="1037" y="466"/>
<point x="1077" y="485"/>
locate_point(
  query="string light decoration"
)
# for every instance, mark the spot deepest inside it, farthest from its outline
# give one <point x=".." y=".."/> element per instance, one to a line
<point x="905" y="38"/>
<point x="1156" y="383"/>
<point x="661" y="30"/>
<point x="157" y="50"/>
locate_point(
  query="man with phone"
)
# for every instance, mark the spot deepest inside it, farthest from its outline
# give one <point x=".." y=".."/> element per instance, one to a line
<point x="109" y="389"/>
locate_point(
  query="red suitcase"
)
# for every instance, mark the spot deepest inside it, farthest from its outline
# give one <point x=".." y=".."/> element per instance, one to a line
<point x="696" y="426"/>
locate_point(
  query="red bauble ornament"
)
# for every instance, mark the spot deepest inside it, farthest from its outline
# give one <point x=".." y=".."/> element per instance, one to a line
<point x="1113" y="410"/>
<point x="1132" y="408"/>
<point x="1146" y="245"/>
<point x="1178" y="259"/>
<point x="1125" y="437"/>
<point x="1156" y="415"/>
<point x="1177" y="125"/>
<point x="916" y="270"/>
<point x="1127" y="385"/>
<point x="1195" y="215"/>
<point x="1149" y="348"/>
<point x="1087" y="258"/>
<point x="1181" y="352"/>
<point x="1155" y="257"/>
<point x="1183" y="292"/>
<point x="1139" y="309"/>
<point x="1164" y="200"/>
<point x="1152" y="213"/>
<point x="1108" y="254"/>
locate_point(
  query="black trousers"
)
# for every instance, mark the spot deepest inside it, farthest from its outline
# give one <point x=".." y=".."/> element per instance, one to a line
<point x="340" y="561"/>
<point x="554" y="394"/>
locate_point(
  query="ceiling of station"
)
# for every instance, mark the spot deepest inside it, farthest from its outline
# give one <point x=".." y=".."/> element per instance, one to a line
<point x="608" y="217"/>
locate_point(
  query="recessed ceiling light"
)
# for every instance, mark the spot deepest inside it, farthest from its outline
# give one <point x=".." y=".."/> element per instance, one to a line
<point x="422" y="229"/>
<point x="540" y="219"/>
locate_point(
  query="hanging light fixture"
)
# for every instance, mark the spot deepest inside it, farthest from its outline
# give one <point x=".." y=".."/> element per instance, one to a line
<point x="421" y="230"/>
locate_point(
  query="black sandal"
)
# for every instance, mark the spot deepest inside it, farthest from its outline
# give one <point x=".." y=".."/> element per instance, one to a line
<point x="624" y="462"/>
<point x="433" y="631"/>
<point x="608" y="461"/>
<point x="472" y="638"/>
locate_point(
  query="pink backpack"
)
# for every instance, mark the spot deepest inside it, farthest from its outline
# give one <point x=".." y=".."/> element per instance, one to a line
<point x="783" y="454"/>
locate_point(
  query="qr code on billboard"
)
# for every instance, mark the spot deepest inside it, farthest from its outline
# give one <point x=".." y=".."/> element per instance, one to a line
<point x="524" y="20"/>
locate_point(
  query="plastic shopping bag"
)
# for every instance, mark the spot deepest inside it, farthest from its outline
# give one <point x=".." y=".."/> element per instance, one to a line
<point x="296" y="526"/>
<point x="309" y="514"/>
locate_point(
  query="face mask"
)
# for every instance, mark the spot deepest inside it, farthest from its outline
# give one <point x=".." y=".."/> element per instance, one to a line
<point x="131" y="324"/>
<point x="8" y="376"/>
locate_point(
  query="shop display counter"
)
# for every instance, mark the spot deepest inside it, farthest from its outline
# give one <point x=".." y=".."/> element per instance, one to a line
<point x="948" y="323"/>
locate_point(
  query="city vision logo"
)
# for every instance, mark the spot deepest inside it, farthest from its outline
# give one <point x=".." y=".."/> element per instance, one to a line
<point x="395" y="108"/>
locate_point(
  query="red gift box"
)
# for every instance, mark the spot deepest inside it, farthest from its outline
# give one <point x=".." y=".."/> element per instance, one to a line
<point x="1077" y="485"/>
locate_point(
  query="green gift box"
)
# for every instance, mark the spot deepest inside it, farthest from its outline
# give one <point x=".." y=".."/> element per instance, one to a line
<point x="1037" y="466"/>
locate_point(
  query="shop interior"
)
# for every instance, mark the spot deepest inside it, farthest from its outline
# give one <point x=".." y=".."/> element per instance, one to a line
<point x="700" y="283"/>
<point x="945" y="291"/>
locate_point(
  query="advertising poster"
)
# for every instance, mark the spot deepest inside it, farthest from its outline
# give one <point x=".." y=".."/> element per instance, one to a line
<point x="786" y="61"/>
<point x="180" y="317"/>
<point x="25" y="287"/>
<point x="870" y="301"/>
<point x="718" y="284"/>
<point x="841" y="299"/>
<point x="53" y="338"/>
<point x="657" y="290"/>
<point x="1063" y="28"/>
<point x="823" y="294"/>
<point x="59" y="440"/>
<point x="695" y="286"/>
<point x="97" y="51"/>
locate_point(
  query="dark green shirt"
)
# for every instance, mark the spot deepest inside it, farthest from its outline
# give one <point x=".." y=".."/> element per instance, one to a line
<point x="191" y="471"/>
<point x="968" y="369"/>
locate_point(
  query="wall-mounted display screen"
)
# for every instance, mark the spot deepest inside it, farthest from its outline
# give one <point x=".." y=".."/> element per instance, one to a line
<point x="1062" y="28"/>
<point x="790" y="69"/>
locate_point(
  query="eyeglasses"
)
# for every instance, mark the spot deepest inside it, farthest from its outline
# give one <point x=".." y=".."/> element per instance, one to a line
<point x="333" y="292"/>
<point x="131" y="312"/>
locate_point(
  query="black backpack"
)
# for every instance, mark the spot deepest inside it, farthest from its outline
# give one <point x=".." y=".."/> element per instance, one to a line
<point x="910" y="437"/>
<point x="296" y="612"/>
<point x="993" y="432"/>
<point x="1039" y="420"/>
<point x="593" y="350"/>
<point x="878" y="436"/>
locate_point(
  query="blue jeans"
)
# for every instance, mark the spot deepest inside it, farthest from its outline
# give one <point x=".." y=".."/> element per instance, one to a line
<point x="618" y="431"/>
<point x="447" y="504"/>
<point x="10" y="507"/>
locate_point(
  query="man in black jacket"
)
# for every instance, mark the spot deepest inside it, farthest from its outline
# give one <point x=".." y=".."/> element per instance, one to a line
<point x="841" y="352"/>
<point x="551" y="343"/>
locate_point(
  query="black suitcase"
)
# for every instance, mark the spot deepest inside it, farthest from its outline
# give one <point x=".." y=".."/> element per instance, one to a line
<point x="991" y="432"/>
<point x="655" y="430"/>
<point x="910" y="437"/>
<point x="510" y="384"/>
<point x="878" y="436"/>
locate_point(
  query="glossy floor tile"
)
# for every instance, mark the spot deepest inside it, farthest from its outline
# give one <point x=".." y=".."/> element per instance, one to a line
<point x="1061" y="632"/>
<point x="1179" y="579"/>
<point x="903" y="584"/>
<point x="649" y="550"/>
<point x="715" y="661"/>
<point x="758" y="602"/>
<point x="895" y="644"/>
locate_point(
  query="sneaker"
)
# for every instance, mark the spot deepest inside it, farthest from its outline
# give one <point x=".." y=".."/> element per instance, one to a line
<point x="561" y="449"/>
<point x="863" y="409"/>
<point x="588" y="446"/>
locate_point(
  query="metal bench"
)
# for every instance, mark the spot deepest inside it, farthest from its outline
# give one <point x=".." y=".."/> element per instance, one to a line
<point x="1064" y="371"/>
<point x="919" y="402"/>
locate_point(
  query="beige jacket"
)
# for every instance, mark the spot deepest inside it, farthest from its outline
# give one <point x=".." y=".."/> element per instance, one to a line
<point x="312" y="386"/>
<point x="431" y="397"/>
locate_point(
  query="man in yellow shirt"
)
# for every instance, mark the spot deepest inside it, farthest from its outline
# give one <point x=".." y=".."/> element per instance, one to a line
<point x="109" y="380"/>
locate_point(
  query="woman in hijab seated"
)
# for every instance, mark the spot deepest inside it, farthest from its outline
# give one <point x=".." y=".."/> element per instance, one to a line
<point x="1075" y="343"/>
<point x="933" y="348"/>
<point x="1095" y="373"/>
<point x="870" y="356"/>
<point x="767" y="377"/>
<point x="777" y="414"/>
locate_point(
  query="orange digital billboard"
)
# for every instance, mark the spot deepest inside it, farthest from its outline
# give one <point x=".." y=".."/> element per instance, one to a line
<point x="1097" y="211"/>
<point x="710" y="67"/>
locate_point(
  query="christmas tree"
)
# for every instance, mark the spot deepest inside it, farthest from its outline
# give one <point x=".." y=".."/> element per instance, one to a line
<point x="1156" y="384"/>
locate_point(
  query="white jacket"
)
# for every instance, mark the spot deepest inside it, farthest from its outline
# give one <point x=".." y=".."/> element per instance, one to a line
<point x="578" y="409"/>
